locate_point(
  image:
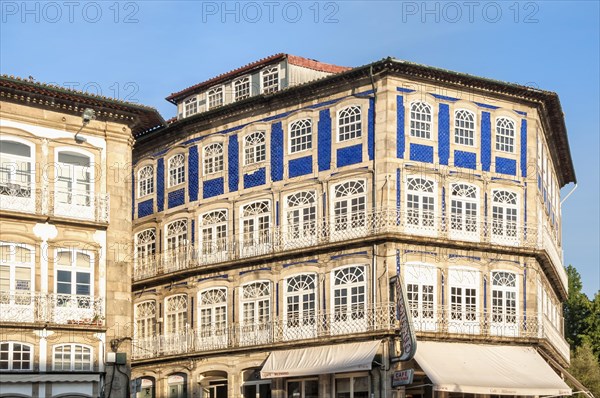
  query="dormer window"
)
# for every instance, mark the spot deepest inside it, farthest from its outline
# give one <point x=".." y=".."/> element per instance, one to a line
<point x="270" y="79"/>
<point x="215" y="97"/>
<point x="241" y="88"/>
<point x="191" y="106"/>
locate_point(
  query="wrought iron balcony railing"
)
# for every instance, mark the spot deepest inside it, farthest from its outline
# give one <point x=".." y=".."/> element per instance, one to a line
<point x="348" y="227"/>
<point x="278" y="330"/>
<point x="51" y="308"/>
<point x="82" y="205"/>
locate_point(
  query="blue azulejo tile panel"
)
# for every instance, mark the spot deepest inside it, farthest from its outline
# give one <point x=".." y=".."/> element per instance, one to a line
<point x="193" y="173"/>
<point x="176" y="198"/>
<point x="444" y="133"/>
<point x="276" y="152"/>
<point x="233" y="162"/>
<point x="371" y="131"/>
<point x="300" y="166"/>
<point x="160" y="185"/>
<point x="400" y="139"/>
<point x="421" y="153"/>
<point x="523" y="147"/>
<point x="486" y="141"/>
<point x="255" y="179"/>
<point x="213" y="187"/>
<point x="349" y="155"/>
<point x="145" y="208"/>
<point x="506" y="166"/>
<point x="464" y="159"/>
<point x="324" y="140"/>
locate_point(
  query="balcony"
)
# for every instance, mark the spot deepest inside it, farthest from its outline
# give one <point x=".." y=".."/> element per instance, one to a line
<point x="279" y="330"/>
<point x="62" y="309"/>
<point x="81" y="205"/>
<point x="349" y="227"/>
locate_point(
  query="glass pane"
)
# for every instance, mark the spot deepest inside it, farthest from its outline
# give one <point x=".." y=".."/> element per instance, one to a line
<point x="63" y="258"/>
<point x="83" y="260"/>
<point x="74" y="159"/>
<point x="311" y="389"/>
<point x="293" y="389"/>
<point x="342" y="388"/>
<point x="264" y="390"/>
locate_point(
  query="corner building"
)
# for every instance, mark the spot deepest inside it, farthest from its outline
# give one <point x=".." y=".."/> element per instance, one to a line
<point x="276" y="215"/>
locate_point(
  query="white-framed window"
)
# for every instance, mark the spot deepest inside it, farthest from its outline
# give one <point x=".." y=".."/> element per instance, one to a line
<point x="74" y="277"/>
<point x="176" y="314"/>
<point x="349" y="123"/>
<point x="300" y="135"/>
<point x="145" y="319"/>
<point x="270" y="79"/>
<point x="73" y="185"/>
<point x="256" y="312"/>
<point x="300" y="306"/>
<point x="212" y="320"/>
<point x="255" y="148"/>
<point x="349" y="299"/>
<point x="420" y="204"/>
<point x="71" y="357"/>
<point x="176" y="234"/>
<point x="215" y="97"/>
<point x="420" y="120"/>
<point x="464" y="127"/>
<point x="301" y="217"/>
<point x="191" y="106"/>
<point x="349" y="206"/>
<point x="357" y="386"/>
<point x="16" y="168"/>
<point x="505" y="135"/>
<point x="213" y="232"/>
<point x="145" y="243"/>
<point x="177" y="385"/>
<point x="255" y="387"/>
<point x="305" y="388"/>
<point x="464" y="300"/>
<point x="464" y="213"/>
<point x="421" y="284"/>
<point x="504" y="303"/>
<point x="213" y="158"/>
<point x="504" y="215"/>
<point x="15" y="355"/>
<point x="176" y="169"/>
<point x="256" y="226"/>
<point x="145" y="181"/>
<point x="16" y="275"/>
<point x="241" y="88"/>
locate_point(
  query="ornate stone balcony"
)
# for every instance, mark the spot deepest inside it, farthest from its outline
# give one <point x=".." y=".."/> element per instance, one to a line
<point x="81" y="205"/>
<point x="349" y="227"/>
<point x="53" y="308"/>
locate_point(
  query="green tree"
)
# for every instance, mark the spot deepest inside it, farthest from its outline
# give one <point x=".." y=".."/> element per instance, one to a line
<point x="585" y="367"/>
<point x="592" y="325"/>
<point x="577" y="309"/>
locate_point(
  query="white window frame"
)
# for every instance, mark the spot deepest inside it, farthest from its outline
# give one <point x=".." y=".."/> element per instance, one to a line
<point x="213" y="162"/>
<point x="300" y="218"/>
<point x="505" y="217"/>
<point x="71" y="202"/>
<point x="506" y="138"/>
<point x="213" y="92"/>
<point x="351" y="378"/>
<point x="419" y="126"/>
<point x="348" y="209"/>
<point x="464" y="129"/>
<point x="239" y="91"/>
<point x="349" y="121"/>
<point x="255" y="236"/>
<point x="213" y="224"/>
<point x="346" y="285"/>
<point x="176" y="314"/>
<point x="255" y="312"/>
<point x="177" y="240"/>
<point x="75" y="350"/>
<point x="14" y="193"/>
<point x="464" y="211"/>
<point x="16" y="356"/>
<point x="300" y="137"/>
<point x="146" y="181"/>
<point x="190" y="106"/>
<point x="73" y="305"/>
<point x="421" y="205"/>
<point x="299" y="321"/>
<point x="176" y="170"/>
<point x="421" y="284"/>
<point x="504" y="305"/>
<point x="213" y="317"/>
<point x="255" y="148"/>
<point x="17" y="303"/>
<point x="302" y="384"/>
<point x="265" y="73"/>
<point x="464" y="300"/>
<point x="145" y="319"/>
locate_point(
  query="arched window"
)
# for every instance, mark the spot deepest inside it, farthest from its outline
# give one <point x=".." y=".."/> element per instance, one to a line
<point x="420" y="120"/>
<point x="349" y="299"/>
<point x="464" y="127"/>
<point x="270" y="79"/>
<point x="241" y="88"/>
<point x="74" y="187"/>
<point x="256" y="312"/>
<point x="464" y="204"/>
<point x="301" y="218"/>
<point x="300" y="312"/>
<point x="177" y="385"/>
<point x="74" y="284"/>
<point x="145" y="181"/>
<point x="145" y="319"/>
<point x="464" y="300"/>
<point x="176" y="314"/>
<point x="191" y="106"/>
<point x="176" y="170"/>
<point x="177" y="234"/>
<point x="505" y="135"/>
<point x="212" y="307"/>
<point x="300" y="135"/>
<point x="16" y="174"/>
<point x="349" y="206"/>
<point x="213" y="232"/>
<point x="504" y="303"/>
<point x="145" y="243"/>
<point x="421" y="284"/>
<point x="16" y="282"/>
<point x="349" y="123"/>
<point x="15" y="355"/>
<point x="420" y="204"/>
<point x="504" y="216"/>
<point x="215" y="97"/>
<point x="255" y="148"/>
<point x="72" y="357"/>
<point x="213" y="158"/>
<point x="256" y="227"/>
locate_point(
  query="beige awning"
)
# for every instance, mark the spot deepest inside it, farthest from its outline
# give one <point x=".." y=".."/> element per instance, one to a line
<point x="488" y="369"/>
<point x="319" y="360"/>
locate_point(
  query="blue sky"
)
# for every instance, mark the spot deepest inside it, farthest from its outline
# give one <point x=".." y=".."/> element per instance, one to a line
<point x="145" y="50"/>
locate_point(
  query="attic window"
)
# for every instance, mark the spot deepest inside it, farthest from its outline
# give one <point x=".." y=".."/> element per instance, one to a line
<point x="191" y="106"/>
<point x="270" y="79"/>
<point x="215" y="97"/>
<point x="241" y="88"/>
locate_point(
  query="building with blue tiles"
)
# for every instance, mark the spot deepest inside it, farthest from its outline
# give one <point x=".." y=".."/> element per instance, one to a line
<point x="298" y="222"/>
